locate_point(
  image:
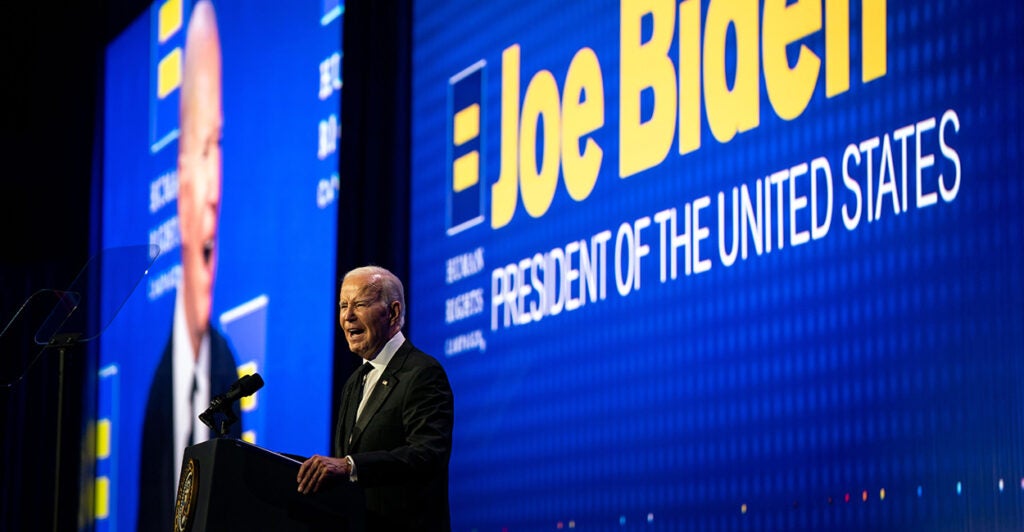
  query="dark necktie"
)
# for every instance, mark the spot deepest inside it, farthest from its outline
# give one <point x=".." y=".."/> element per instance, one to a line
<point x="192" y="411"/>
<point x="361" y="375"/>
<point x="356" y="398"/>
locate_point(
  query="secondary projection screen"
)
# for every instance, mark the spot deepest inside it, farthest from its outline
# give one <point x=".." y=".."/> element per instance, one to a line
<point x="724" y="265"/>
<point x="268" y="258"/>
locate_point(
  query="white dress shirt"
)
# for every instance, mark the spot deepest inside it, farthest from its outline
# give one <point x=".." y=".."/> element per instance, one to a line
<point x="379" y="362"/>
<point x="186" y="367"/>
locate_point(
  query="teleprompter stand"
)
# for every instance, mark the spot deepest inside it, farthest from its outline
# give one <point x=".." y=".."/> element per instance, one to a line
<point x="63" y="320"/>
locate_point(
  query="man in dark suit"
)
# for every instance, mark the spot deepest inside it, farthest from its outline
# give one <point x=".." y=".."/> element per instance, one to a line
<point x="158" y="461"/>
<point x="394" y="433"/>
<point x="197" y="363"/>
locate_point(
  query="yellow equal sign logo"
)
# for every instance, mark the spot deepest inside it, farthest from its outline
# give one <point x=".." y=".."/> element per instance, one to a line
<point x="168" y="24"/>
<point x="466" y="169"/>
<point x="465" y="148"/>
<point x="105" y="482"/>
<point x="168" y="19"/>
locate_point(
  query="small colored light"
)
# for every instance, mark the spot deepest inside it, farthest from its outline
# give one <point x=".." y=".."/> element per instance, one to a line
<point x="650" y="518"/>
<point x="560" y="526"/>
<point x="743" y="508"/>
<point x="864" y="496"/>
<point x="572" y="524"/>
<point x="846" y="498"/>
<point x="622" y="520"/>
<point x="881" y="494"/>
<point x="1001" y="485"/>
<point x="959" y="488"/>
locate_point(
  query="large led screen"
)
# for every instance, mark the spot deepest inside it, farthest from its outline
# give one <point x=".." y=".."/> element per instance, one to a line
<point x="239" y="200"/>
<point x="724" y="265"/>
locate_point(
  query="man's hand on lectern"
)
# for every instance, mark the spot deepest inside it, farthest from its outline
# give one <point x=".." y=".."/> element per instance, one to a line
<point x="317" y="469"/>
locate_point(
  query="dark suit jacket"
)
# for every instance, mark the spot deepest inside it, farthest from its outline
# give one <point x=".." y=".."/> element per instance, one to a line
<point x="156" y="465"/>
<point x="402" y="443"/>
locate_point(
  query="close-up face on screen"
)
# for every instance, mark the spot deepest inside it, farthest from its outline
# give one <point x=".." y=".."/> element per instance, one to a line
<point x="221" y="130"/>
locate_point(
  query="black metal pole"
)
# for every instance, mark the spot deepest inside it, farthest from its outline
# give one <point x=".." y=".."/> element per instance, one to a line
<point x="60" y="414"/>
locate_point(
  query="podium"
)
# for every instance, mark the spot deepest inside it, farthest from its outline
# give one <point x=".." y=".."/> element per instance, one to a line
<point x="229" y="484"/>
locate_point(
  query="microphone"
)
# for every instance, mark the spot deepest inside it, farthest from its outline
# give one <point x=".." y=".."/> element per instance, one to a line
<point x="243" y="387"/>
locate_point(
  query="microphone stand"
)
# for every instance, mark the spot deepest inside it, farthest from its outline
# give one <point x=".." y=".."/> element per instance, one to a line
<point x="227" y="415"/>
<point x="225" y="424"/>
<point x="62" y="341"/>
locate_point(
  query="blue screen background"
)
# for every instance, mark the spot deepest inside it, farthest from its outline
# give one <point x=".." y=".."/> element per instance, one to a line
<point x="867" y="379"/>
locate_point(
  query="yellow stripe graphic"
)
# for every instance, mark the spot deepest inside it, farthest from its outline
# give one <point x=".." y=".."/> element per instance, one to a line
<point x="466" y="171"/>
<point x="467" y="124"/>
<point x="168" y="74"/>
<point x="169" y="20"/>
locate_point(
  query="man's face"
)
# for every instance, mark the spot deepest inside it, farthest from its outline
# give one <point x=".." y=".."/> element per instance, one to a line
<point x="365" y="318"/>
<point x="199" y="167"/>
